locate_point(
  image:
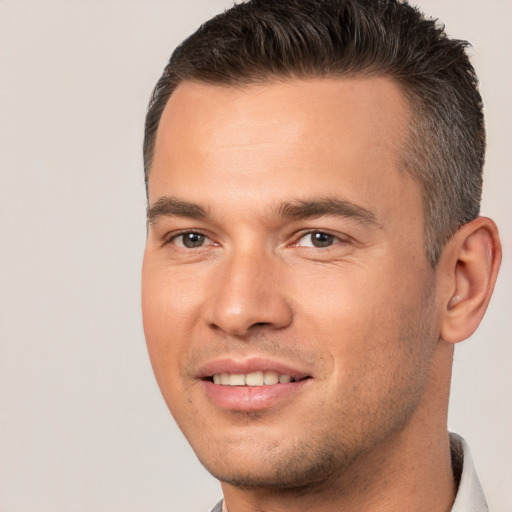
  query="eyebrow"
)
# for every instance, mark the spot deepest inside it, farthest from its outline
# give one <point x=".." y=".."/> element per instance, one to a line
<point x="309" y="209"/>
<point x="168" y="206"/>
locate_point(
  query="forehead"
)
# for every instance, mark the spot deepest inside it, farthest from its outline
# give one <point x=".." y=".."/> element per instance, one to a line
<point x="210" y="110"/>
<point x="296" y="137"/>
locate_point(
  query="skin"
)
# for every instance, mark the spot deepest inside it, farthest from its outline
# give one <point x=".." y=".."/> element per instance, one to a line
<point x="364" y="317"/>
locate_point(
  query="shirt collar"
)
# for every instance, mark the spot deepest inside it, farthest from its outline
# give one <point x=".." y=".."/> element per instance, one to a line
<point x="470" y="496"/>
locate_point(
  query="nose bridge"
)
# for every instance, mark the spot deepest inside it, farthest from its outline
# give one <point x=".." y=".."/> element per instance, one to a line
<point x="248" y="294"/>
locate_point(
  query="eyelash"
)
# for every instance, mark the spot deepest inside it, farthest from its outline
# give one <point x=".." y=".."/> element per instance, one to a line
<point x="170" y="238"/>
<point x="334" y="239"/>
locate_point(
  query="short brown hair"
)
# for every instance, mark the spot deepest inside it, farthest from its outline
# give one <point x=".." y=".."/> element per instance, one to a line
<point x="268" y="40"/>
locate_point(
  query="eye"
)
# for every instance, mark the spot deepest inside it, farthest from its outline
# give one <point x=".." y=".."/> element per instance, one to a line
<point x="317" y="239"/>
<point x="190" y="240"/>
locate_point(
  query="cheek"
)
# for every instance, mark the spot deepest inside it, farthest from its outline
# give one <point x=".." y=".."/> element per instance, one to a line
<point x="164" y="316"/>
<point x="342" y="306"/>
<point x="369" y="323"/>
<point x="170" y="300"/>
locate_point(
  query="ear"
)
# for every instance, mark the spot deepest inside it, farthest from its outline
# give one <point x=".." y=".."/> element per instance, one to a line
<point x="468" y="268"/>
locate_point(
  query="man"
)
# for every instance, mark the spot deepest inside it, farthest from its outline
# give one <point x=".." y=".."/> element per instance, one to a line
<point x="314" y="252"/>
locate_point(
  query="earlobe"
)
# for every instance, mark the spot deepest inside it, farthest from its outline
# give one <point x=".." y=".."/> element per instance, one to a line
<point x="470" y="264"/>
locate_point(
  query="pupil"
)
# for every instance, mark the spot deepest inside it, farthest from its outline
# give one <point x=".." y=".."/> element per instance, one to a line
<point x="322" y="239"/>
<point x="191" y="240"/>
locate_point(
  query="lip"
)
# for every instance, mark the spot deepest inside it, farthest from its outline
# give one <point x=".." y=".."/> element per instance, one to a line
<point x="251" y="398"/>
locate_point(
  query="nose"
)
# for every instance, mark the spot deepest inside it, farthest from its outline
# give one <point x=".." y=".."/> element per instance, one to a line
<point x="249" y="295"/>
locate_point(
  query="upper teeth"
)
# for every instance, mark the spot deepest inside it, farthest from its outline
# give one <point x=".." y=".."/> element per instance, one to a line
<point x="250" y="379"/>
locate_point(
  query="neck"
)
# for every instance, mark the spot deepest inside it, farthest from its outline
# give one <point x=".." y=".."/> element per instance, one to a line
<point x="410" y="471"/>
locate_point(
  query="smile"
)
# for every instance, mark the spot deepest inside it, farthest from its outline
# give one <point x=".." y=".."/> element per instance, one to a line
<point x="257" y="378"/>
<point x="252" y="383"/>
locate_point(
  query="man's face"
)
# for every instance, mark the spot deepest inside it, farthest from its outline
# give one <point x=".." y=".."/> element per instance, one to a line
<point x="285" y="251"/>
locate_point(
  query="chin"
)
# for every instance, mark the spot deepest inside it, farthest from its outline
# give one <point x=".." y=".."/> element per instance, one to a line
<point x="292" y="468"/>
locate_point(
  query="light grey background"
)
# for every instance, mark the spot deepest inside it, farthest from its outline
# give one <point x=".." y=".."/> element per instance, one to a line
<point x="82" y="425"/>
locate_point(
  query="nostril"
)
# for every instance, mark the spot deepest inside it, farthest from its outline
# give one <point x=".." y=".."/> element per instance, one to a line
<point x="260" y="324"/>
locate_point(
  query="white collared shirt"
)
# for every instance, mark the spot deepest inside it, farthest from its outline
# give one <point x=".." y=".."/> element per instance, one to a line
<point x="470" y="496"/>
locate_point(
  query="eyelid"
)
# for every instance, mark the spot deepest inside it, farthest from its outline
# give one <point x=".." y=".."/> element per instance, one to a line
<point x="173" y="235"/>
<point x="339" y="237"/>
<point x="169" y="237"/>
